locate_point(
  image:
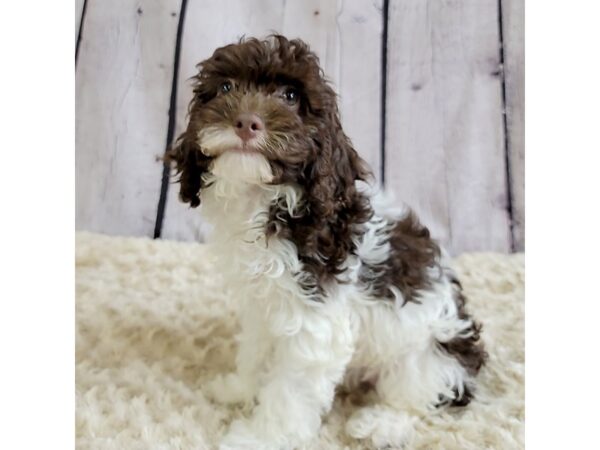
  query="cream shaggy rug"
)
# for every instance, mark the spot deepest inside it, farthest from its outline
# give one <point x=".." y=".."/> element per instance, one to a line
<point x="154" y="324"/>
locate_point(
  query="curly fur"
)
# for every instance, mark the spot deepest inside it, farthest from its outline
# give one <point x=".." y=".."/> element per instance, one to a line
<point x="336" y="290"/>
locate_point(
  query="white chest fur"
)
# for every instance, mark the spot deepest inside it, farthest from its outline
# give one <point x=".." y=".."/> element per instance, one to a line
<point x="238" y="212"/>
<point x="294" y="351"/>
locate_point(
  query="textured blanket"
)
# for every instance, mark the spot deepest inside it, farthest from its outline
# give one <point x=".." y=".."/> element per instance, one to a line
<point x="154" y="323"/>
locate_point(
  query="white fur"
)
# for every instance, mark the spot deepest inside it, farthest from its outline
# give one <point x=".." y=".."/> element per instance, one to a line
<point x="294" y="351"/>
<point x="154" y="325"/>
<point x="241" y="166"/>
<point x="215" y="140"/>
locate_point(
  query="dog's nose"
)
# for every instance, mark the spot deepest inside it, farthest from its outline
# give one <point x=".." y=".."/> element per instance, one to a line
<point x="248" y="125"/>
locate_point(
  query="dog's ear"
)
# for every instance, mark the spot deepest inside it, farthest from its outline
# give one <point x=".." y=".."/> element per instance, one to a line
<point x="336" y="167"/>
<point x="190" y="164"/>
<point x="331" y="194"/>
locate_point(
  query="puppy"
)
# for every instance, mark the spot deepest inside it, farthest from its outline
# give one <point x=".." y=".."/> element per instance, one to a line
<point x="334" y="289"/>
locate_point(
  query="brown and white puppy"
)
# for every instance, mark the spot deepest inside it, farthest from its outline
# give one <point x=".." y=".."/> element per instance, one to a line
<point x="335" y="289"/>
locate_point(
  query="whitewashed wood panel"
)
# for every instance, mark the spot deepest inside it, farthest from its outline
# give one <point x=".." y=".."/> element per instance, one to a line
<point x="78" y="16"/>
<point x="345" y="35"/>
<point x="445" y="144"/>
<point x="359" y="81"/>
<point x="123" y="84"/>
<point x="513" y="18"/>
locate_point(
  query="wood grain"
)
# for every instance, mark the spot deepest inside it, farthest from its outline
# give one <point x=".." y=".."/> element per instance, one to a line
<point x="445" y="144"/>
<point x="123" y="84"/>
<point x="446" y="151"/>
<point x="345" y="35"/>
<point x="513" y="18"/>
<point x="78" y="16"/>
<point x="359" y="82"/>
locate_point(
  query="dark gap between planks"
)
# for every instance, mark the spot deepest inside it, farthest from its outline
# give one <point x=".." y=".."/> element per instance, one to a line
<point x="164" y="185"/>
<point x="384" y="39"/>
<point x="79" y="33"/>
<point x="507" y="157"/>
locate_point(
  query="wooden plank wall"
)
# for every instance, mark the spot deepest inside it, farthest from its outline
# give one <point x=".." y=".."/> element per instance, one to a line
<point x="438" y="140"/>
<point x="445" y="144"/>
<point x="79" y="6"/>
<point x="122" y="95"/>
<point x="346" y="36"/>
<point x="513" y="30"/>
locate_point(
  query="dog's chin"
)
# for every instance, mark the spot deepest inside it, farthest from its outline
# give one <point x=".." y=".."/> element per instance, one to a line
<point x="240" y="165"/>
<point x="233" y="160"/>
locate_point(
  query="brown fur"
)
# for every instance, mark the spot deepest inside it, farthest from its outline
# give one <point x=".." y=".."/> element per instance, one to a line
<point x="468" y="351"/>
<point x="191" y="164"/>
<point x="413" y="255"/>
<point x="307" y="147"/>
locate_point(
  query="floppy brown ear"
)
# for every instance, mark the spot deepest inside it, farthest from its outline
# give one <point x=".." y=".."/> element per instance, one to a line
<point x="190" y="164"/>
<point x="336" y="167"/>
<point x="333" y="200"/>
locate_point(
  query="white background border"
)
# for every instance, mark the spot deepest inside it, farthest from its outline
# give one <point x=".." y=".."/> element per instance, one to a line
<point x="563" y="223"/>
<point x="37" y="387"/>
<point x="562" y="241"/>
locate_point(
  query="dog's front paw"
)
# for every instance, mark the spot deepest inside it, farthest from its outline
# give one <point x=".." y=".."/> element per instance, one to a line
<point x="229" y="388"/>
<point x="383" y="426"/>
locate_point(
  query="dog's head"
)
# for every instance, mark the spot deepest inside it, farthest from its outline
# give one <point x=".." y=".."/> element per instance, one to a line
<point x="263" y="112"/>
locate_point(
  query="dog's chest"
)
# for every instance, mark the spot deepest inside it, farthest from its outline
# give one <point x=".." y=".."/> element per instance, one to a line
<point x="238" y="215"/>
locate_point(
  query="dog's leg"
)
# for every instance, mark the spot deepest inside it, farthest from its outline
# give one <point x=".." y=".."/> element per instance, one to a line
<point x="386" y="426"/>
<point x="241" y="386"/>
<point x="298" y="387"/>
<point x="407" y="389"/>
<point x="390" y="421"/>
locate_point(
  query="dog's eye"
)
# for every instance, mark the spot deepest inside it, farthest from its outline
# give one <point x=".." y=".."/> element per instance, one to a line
<point x="226" y="87"/>
<point x="290" y="96"/>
